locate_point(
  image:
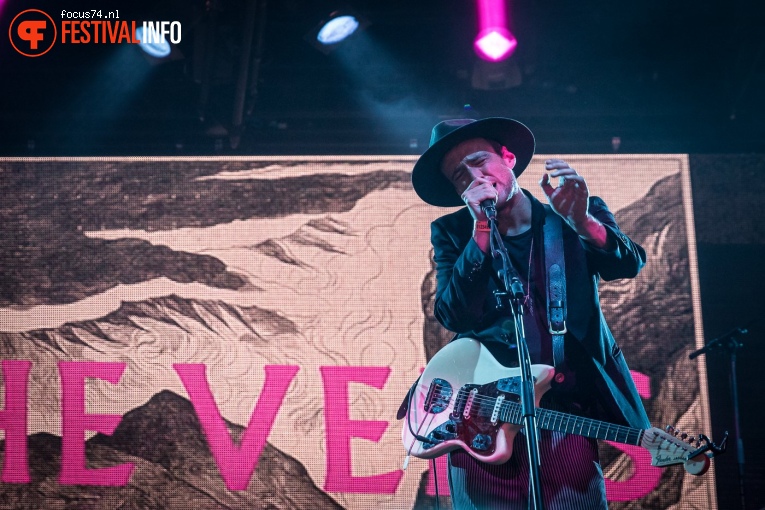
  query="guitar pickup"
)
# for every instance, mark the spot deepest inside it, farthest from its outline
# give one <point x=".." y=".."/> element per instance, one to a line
<point x="497" y="409"/>
<point x="469" y="403"/>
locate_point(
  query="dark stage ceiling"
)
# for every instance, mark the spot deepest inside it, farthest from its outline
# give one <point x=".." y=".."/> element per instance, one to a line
<point x="677" y="76"/>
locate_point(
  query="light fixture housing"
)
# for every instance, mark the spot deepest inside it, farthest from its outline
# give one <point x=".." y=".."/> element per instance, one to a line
<point x="495" y="44"/>
<point x="335" y="30"/>
<point x="494" y="41"/>
<point x="156" y="49"/>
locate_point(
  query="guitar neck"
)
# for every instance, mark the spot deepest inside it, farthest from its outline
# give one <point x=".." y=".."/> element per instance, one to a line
<point x="572" y="424"/>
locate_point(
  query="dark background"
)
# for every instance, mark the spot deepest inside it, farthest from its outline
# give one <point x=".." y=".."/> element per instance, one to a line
<point x="727" y="195"/>
<point x="663" y="77"/>
<point x="681" y="76"/>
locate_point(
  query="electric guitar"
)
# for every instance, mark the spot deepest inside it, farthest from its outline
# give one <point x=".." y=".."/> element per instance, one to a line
<point x="466" y="399"/>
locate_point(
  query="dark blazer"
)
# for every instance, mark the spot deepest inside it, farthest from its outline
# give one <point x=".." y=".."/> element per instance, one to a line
<point x="465" y="304"/>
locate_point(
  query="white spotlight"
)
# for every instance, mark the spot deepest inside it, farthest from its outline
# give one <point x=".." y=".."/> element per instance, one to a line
<point x="337" y="29"/>
<point x="158" y="48"/>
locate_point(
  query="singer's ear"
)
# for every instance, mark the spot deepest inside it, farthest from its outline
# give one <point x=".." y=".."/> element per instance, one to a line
<point x="509" y="157"/>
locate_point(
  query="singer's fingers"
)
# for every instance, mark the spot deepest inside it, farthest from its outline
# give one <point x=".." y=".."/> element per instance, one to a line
<point x="544" y="182"/>
<point x="552" y="164"/>
<point x="563" y="172"/>
<point x="480" y="189"/>
<point x="571" y="179"/>
<point x="478" y="181"/>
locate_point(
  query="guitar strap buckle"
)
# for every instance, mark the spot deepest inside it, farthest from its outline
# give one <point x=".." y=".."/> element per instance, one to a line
<point x="555" y="331"/>
<point x="556" y="282"/>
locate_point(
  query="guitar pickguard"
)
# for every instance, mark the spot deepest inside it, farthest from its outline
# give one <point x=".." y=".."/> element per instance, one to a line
<point x="511" y="385"/>
<point x="471" y="421"/>
<point x="447" y="431"/>
<point x="444" y="416"/>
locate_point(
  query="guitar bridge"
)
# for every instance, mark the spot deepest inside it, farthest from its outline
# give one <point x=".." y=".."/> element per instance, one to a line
<point x="438" y="397"/>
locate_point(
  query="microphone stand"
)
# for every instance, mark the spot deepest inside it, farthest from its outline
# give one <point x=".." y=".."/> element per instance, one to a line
<point x="514" y="288"/>
<point x="729" y="342"/>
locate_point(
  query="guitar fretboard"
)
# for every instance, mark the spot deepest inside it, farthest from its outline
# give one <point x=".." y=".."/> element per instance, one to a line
<point x="510" y="412"/>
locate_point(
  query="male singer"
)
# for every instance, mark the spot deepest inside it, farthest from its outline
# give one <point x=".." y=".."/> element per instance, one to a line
<point x="475" y="163"/>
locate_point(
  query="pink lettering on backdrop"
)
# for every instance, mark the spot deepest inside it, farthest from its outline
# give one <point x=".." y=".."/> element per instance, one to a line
<point x="236" y="463"/>
<point x="644" y="479"/>
<point x="13" y="420"/>
<point x="642" y="383"/>
<point x="74" y="423"/>
<point x="340" y="429"/>
<point x="442" y="474"/>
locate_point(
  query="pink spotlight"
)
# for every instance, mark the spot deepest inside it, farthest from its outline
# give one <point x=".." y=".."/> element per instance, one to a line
<point x="494" y="41"/>
<point x="495" y="44"/>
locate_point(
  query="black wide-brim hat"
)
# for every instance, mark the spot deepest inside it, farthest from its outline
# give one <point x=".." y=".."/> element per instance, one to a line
<point x="433" y="187"/>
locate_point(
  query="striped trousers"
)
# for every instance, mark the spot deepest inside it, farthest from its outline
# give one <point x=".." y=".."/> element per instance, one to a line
<point x="571" y="477"/>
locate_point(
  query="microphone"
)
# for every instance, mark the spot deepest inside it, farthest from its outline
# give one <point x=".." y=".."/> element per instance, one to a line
<point x="719" y="342"/>
<point x="489" y="208"/>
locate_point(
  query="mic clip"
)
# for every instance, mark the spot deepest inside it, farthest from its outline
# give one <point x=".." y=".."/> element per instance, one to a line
<point x="489" y="208"/>
<point x="517" y="288"/>
<point x="727" y="341"/>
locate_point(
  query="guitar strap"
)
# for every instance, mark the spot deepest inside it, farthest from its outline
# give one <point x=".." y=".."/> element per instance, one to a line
<point x="556" y="282"/>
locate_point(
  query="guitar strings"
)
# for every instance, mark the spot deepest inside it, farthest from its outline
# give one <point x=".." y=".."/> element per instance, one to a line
<point x="485" y="407"/>
<point x="510" y="412"/>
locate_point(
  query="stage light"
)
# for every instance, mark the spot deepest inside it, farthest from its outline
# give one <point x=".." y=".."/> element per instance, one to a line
<point x="495" y="44"/>
<point x="335" y="30"/>
<point x="157" y="49"/>
<point x="494" y="41"/>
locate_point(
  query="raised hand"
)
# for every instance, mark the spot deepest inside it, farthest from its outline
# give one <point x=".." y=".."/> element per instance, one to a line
<point x="570" y="199"/>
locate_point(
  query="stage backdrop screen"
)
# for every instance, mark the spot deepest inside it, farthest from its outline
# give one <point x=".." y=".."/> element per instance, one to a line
<point x="181" y="333"/>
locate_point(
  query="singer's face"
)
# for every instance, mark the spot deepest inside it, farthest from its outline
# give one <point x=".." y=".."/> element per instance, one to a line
<point x="476" y="158"/>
